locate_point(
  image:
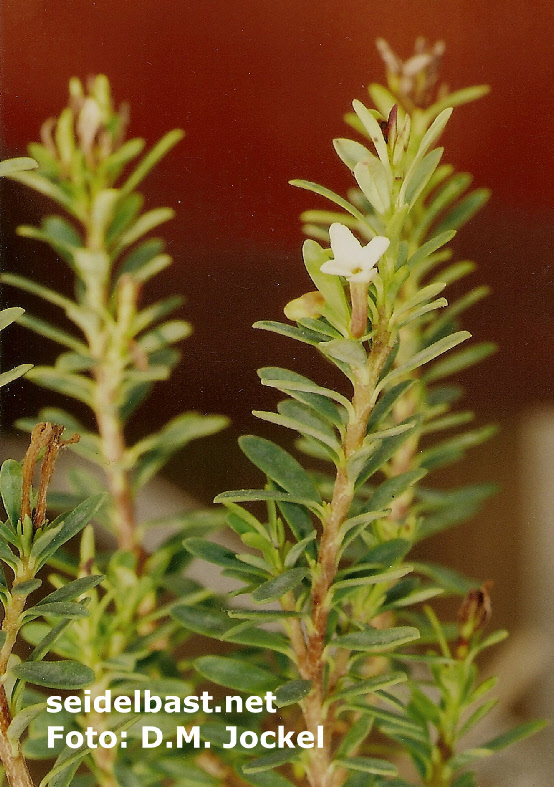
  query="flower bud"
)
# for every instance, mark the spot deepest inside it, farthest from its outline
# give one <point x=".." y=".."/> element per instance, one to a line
<point x="309" y="305"/>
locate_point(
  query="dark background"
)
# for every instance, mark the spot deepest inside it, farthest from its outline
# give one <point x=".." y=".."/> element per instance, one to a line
<point x="260" y="86"/>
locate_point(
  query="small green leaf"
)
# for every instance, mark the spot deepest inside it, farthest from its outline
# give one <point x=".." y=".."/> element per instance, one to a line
<point x="386" y="402"/>
<point x="145" y="223"/>
<point x="12" y="165"/>
<point x="433" y="132"/>
<point x="55" y="674"/>
<point x="377" y="640"/>
<point x="371" y="685"/>
<point x="311" y="416"/>
<point x="388" y="552"/>
<point x="270" y="761"/>
<point x="210" y="551"/>
<point x="372" y="179"/>
<point x="306" y="426"/>
<point x="206" y="621"/>
<point x="45" y="186"/>
<point x="7" y="316"/>
<point x="369" y="765"/>
<point x="60" y="609"/>
<point x="26" y="588"/>
<point x="279" y="586"/>
<point x="65" y="527"/>
<point x="329" y="286"/>
<point x="430" y="247"/>
<point x="478" y="714"/>
<point x="153" y="156"/>
<point x="382" y="98"/>
<point x="114" y="163"/>
<point x="392" y="488"/>
<point x="452" y="449"/>
<point x="262" y="615"/>
<point x="46" y="637"/>
<point x="148" y="456"/>
<point x="424" y="356"/>
<point x="514" y="735"/>
<point x="459" y="361"/>
<point x="142" y="255"/>
<point x="354" y="737"/>
<point x="330" y="195"/>
<point x="299" y="549"/>
<point x="236" y="674"/>
<point x="43" y="328"/>
<point x="443" y="197"/>
<point x="245" y="634"/>
<point x="458" y="97"/>
<point x="375" y="133"/>
<point x="370" y="577"/>
<point x="421" y="175"/>
<point x="446" y="578"/>
<point x="300" y="334"/>
<point x="350" y="352"/>
<point x="302" y="388"/>
<point x="74" y="385"/>
<point x="252" y="495"/>
<point x="464" y="210"/>
<point x="22" y="283"/>
<point x="386" y="449"/>
<point x="292" y="692"/>
<point x="265" y="779"/>
<point x="21" y="720"/>
<point x="14" y="374"/>
<point x="280" y="467"/>
<point x="11" y="484"/>
<point x="126" y="211"/>
<point x="351" y="152"/>
<point x="73" y="589"/>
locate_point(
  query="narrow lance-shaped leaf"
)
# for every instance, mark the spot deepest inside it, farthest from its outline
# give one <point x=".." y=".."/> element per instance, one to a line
<point x="279" y="586"/>
<point x="280" y="467"/>
<point x="14" y="374"/>
<point x="330" y="195"/>
<point x="423" y="357"/>
<point x="159" y="150"/>
<point x="378" y="640"/>
<point x="11" y="485"/>
<point x="55" y="674"/>
<point x="234" y="674"/>
<point x="12" y="165"/>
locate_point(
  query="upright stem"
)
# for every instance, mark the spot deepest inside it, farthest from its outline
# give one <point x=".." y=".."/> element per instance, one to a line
<point x="11" y="755"/>
<point x="44" y="437"/>
<point x="441" y="775"/>
<point x="13" y="761"/>
<point x="107" y="347"/>
<point x="112" y="438"/>
<point x="312" y="662"/>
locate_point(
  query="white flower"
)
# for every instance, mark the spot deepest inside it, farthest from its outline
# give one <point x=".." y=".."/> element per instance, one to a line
<point x="352" y="260"/>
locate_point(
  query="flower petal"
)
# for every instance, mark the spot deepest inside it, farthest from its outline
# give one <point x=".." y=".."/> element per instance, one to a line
<point x="337" y="268"/>
<point x="344" y="243"/>
<point x="375" y="250"/>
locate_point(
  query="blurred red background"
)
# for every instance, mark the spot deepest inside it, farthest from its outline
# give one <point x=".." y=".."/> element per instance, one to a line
<point x="260" y="86"/>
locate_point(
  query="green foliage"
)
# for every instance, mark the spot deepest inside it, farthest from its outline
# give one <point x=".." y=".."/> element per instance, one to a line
<point x="331" y="549"/>
<point x="7" y="316"/>
<point x="117" y="350"/>
<point x="107" y="621"/>
<point x="335" y="623"/>
<point x="27" y="540"/>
